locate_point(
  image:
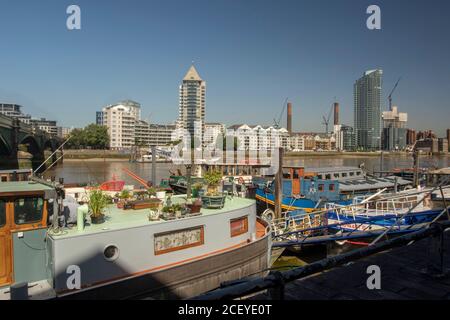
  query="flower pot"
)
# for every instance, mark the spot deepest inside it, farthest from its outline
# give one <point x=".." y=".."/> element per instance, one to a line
<point x="98" y="219"/>
<point x="161" y="195"/>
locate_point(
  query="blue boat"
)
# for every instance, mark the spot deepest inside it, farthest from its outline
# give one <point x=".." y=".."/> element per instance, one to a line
<point x="312" y="190"/>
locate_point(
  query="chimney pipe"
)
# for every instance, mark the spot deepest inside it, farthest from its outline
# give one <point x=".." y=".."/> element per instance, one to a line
<point x="289" y="118"/>
<point x="336" y="113"/>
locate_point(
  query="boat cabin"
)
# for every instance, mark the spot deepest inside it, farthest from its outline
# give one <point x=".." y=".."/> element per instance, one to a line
<point x="23" y="228"/>
<point x="298" y="183"/>
<point x="15" y="175"/>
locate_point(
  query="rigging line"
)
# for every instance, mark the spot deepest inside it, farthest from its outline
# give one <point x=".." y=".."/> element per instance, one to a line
<point x="54" y="162"/>
<point x="53" y="153"/>
<point x="409" y="211"/>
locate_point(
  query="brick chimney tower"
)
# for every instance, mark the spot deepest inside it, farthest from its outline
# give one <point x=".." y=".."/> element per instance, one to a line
<point x="336" y="113"/>
<point x="289" y="118"/>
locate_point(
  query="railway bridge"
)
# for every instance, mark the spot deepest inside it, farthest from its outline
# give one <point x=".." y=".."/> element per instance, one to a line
<point x="16" y="136"/>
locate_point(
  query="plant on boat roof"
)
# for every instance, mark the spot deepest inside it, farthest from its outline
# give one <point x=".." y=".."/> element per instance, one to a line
<point x="212" y="178"/>
<point x="97" y="202"/>
<point x="152" y="191"/>
<point x="125" y="194"/>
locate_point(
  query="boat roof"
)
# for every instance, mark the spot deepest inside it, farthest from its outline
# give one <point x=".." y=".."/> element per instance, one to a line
<point x="371" y="183"/>
<point x="324" y="169"/>
<point x="22" y="186"/>
<point x="118" y="219"/>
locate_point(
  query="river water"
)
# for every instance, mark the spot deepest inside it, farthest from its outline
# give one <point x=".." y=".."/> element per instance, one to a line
<point x="98" y="171"/>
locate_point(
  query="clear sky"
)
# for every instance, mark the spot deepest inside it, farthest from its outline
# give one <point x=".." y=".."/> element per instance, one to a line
<point x="252" y="53"/>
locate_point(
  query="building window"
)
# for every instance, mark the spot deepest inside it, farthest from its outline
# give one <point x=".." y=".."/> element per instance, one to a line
<point x="178" y="240"/>
<point x="28" y="210"/>
<point x="238" y="226"/>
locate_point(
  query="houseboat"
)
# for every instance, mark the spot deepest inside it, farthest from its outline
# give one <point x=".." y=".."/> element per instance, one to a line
<point x="131" y="254"/>
<point x="312" y="189"/>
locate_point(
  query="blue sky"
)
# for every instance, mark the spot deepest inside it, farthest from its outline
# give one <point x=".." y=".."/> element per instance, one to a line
<point x="252" y="53"/>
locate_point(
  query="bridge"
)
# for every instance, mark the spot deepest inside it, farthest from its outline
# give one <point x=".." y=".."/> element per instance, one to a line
<point x="16" y="136"/>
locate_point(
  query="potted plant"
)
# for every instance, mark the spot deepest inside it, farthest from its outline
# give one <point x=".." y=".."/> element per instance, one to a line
<point x="195" y="206"/>
<point x="153" y="215"/>
<point x="196" y="187"/>
<point x="124" y="195"/>
<point x="212" y="179"/>
<point x="177" y="209"/>
<point x="167" y="211"/>
<point x="161" y="193"/>
<point x="152" y="191"/>
<point x="97" y="203"/>
<point x="212" y="199"/>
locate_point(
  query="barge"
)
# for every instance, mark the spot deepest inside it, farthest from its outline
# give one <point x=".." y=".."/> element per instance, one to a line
<point x="127" y="256"/>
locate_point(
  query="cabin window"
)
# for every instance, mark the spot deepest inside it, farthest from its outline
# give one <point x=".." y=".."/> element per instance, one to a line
<point x="321" y="187"/>
<point x="344" y="174"/>
<point x="328" y="176"/>
<point x="336" y="175"/>
<point x="352" y="174"/>
<point x="238" y="226"/>
<point x="179" y="239"/>
<point x="28" y="210"/>
<point x="331" y="187"/>
<point x="111" y="253"/>
<point x="358" y="173"/>
<point x="2" y="213"/>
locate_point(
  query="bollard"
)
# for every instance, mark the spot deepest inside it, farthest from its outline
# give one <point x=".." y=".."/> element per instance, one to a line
<point x="19" y="291"/>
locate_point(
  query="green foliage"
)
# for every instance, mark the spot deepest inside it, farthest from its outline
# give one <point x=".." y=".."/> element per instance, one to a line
<point x="93" y="136"/>
<point x="213" y="177"/>
<point x="125" y="194"/>
<point x="152" y="191"/>
<point x="97" y="202"/>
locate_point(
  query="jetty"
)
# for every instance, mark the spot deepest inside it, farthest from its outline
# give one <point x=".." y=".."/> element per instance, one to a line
<point x="412" y="266"/>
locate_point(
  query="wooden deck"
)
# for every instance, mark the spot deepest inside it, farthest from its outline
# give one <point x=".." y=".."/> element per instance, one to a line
<point x="402" y="277"/>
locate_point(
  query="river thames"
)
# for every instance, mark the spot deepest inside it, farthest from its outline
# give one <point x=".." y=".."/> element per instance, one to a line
<point x="98" y="171"/>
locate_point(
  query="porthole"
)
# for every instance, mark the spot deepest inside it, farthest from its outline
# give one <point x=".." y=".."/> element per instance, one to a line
<point x="111" y="253"/>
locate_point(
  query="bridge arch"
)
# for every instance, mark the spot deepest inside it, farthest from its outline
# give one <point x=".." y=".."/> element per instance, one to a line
<point x="5" y="149"/>
<point x="33" y="147"/>
<point x="50" y="145"/>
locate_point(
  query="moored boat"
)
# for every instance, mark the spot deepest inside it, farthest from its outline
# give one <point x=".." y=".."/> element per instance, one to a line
<point x="312" y="190"/>
<point x="133" y="253"/>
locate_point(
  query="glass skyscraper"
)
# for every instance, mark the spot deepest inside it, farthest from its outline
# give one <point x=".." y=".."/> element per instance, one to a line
<point x="367" y="110"/>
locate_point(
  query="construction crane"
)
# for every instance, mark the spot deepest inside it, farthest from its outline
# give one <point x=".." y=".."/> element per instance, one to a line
<point x="276" y="124"/>
<point x="390" y="95"/>
<point x="326" y="120"/>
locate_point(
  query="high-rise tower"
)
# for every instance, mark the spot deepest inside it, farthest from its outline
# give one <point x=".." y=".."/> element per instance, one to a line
<point x="367" y="108"/>
<point x="192" y="104"/>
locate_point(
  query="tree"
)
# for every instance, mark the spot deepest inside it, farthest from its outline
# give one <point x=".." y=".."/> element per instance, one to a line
<point x="92" y="136"/>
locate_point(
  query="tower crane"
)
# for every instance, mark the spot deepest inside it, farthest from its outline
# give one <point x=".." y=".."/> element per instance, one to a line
<point x="276" y="124"/>
<point x="326" y="120"/>
<point x="390" y="95"/>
